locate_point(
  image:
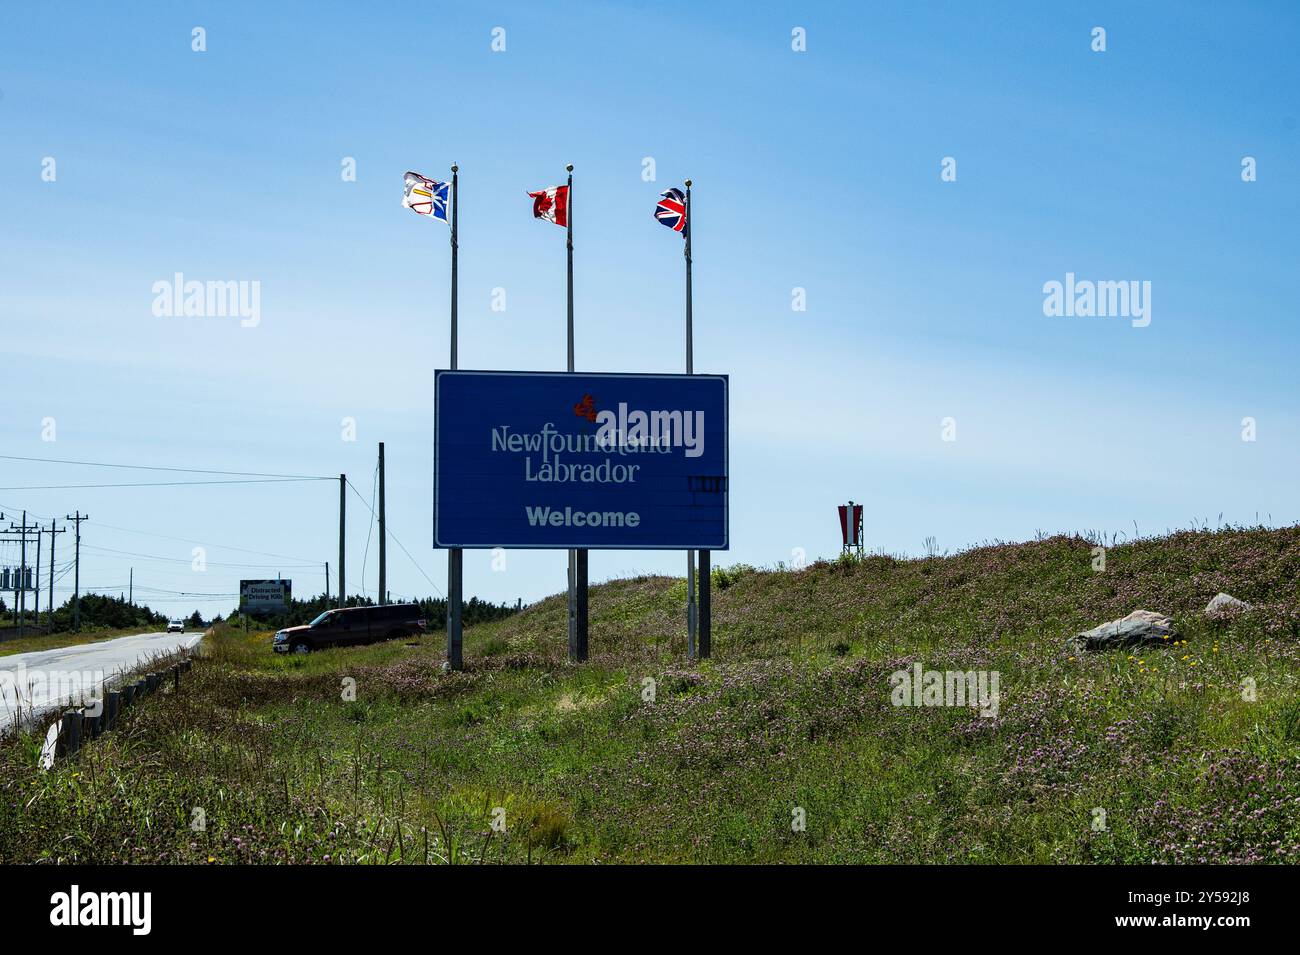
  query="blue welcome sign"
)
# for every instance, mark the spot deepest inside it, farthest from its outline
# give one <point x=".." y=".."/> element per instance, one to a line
<point x="563" y="460"/>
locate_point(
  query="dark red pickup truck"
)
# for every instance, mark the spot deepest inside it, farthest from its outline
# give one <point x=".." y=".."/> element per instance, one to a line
<point x="351" y="626"/>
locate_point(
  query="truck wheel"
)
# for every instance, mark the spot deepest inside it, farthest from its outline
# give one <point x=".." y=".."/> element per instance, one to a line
<point x="300" y="646"/>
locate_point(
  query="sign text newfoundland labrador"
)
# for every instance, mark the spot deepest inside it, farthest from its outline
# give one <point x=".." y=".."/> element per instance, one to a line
<point x="569" y="460"/>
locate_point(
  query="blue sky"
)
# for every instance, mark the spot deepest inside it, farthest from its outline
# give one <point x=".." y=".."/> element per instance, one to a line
<point x="817" y="170"/>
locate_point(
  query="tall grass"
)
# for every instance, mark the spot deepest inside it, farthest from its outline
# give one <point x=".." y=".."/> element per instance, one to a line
<point x="374" y="755"/>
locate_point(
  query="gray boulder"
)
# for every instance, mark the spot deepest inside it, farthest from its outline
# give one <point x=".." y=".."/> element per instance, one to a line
<point x="1139" y="627"/>
<point x="1225" y="607"/>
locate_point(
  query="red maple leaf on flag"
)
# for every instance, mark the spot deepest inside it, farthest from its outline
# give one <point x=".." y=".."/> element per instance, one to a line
<point x="586" y="408"/>
<point x="551" y="204"/>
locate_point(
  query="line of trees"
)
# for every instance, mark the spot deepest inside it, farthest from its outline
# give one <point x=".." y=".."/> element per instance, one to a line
<point x="103" y="612"/>
<point x="98" y="612"/>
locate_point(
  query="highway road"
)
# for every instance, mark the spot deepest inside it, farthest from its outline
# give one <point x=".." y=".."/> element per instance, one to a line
<point x="46" y="679"/>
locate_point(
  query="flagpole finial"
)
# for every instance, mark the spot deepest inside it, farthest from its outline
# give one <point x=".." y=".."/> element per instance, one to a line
<point x="688" y="184"/>
<point x="568" y="167"/>
<point x="455" y="168"/>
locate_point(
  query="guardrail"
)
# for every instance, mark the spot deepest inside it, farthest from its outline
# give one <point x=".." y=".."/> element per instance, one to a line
<point x="77" y="726"/>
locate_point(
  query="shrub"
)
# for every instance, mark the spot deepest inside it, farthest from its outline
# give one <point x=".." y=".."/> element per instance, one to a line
<point x="724" y="577"/>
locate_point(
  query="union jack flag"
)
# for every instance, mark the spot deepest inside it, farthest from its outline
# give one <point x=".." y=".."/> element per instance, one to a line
<point x="671" y="210"/>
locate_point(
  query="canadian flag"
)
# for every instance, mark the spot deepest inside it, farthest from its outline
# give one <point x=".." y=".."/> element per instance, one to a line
<point x="552" y="205"/>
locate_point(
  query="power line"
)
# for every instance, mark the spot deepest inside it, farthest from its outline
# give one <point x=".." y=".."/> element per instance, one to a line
<point x="370" y="527"/>
<point x="183" y="540"/>
<point x="159" y="591"/>
<point x="186" y="560"/>
<point x="186" y="593"/>
<point x="400" y="545"/>
<point x="151" y="467"/>
<point x="296" y="565"/>
<point x="190" y="540"/>
<point x="67" y="487"/>
<point x="39" y="517"/>
<point x="170" y="597"/>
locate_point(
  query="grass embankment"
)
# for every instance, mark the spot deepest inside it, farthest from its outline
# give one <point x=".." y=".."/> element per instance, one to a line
<point x="1157" y="755"/>
<point x="66" y="638"/>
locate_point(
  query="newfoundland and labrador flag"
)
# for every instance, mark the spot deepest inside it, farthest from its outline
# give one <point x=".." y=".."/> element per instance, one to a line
<point x="671" y="210"/>
<point x="426" y="197"/>
<point x="552" y="205"/>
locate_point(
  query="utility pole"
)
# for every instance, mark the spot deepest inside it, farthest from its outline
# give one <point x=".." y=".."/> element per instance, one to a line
<point x="16" y="585"/>
<point x="76" y="518"/>
<point x="22" y="582"/>
<point x="36" y="581"/>
<point x="22" y="576"/>
<point x="52" y="532"/>
<point x="130" y="588"/>
<point x="383" y="536"/>
<point x="327" y="584"/>
<point x="343" y="509"/>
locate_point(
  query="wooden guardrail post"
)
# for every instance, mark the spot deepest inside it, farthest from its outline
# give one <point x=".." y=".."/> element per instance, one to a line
<point x="91" y="724"/>
<point x="70" y="736"/>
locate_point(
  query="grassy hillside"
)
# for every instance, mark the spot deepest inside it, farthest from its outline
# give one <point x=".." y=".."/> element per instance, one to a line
<point x="791" y="720"/>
